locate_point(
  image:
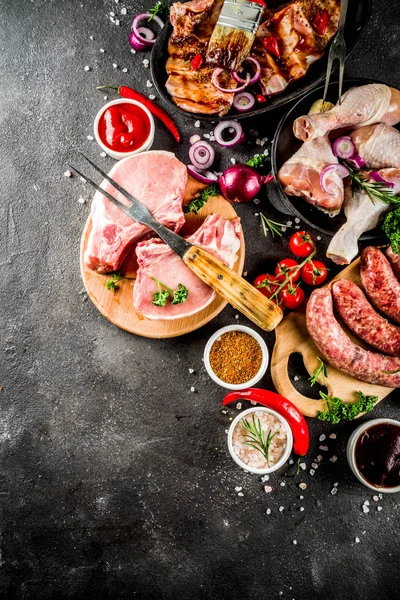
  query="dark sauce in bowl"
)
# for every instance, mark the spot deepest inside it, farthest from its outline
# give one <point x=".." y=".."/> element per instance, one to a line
<point x="377" y="455"/>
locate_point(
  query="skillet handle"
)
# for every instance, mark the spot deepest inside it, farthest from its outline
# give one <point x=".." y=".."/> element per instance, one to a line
<point x="233" y="288"/>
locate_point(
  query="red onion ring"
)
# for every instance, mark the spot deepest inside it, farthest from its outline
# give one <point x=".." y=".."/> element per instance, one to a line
<point x="343" y="147"/>
<point x="329" y="169"/>
<point x="202" y="155"/>
<point x="243" y="101"/>
<point x="136" y="29"/>
<point x="202" y="176"/>
<point x="256" y="75"/>
<point x="214" y="80"/>
<point x="238" y="137"/>
<point x="376" y="176"/>
<point x="136" y="44"/>
<point x="356" y="161"/>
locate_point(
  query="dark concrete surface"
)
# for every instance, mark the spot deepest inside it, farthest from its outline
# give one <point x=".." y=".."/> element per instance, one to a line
<point x="115" y="478"/>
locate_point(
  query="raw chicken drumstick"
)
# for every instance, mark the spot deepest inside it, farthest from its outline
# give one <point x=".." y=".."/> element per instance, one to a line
<point x="364" y="105"/>
<point x="378" y="145"/>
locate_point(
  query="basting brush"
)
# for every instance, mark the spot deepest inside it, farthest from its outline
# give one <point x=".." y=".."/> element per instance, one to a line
<point x="234" y="33"/>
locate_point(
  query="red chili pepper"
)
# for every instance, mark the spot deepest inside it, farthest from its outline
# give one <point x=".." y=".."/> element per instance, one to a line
<point x="320" y="21"/>
<point x="197" y="62"/>
<point x="298" y="425"/>
<point x="271" y="44"/>
<point x="155" y="110"/>
<point x="261" y="99"/>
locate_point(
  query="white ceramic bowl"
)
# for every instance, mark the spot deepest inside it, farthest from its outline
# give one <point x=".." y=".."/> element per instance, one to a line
<point x="264" y="362"/>
<point x="118" y="155"/>
<point x="351" y="447"/>
<point x="288" y="449"/>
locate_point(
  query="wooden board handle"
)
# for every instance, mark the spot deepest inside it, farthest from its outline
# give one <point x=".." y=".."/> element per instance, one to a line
<point x="236" y="290"/>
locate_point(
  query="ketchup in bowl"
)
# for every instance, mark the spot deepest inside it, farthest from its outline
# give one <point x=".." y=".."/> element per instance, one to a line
<point x="124" y="127"/>
<point x="377" y="455"/>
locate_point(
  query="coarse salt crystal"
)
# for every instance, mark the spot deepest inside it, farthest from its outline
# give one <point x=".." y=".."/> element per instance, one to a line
<point x="149" y="84"/>
<point x="265" y="478"/>
<point x="366" y="503"/>
<point x="102" y="50"/>
<point x="191" y="371"/>
<point x="252" y="402"/>
<point x="303" y="466"/>
<point x="375" y="498"/>
<point x="87" y="68"/>
<point x="333" y="458"/>
<point x="233" y="160"/>
<point x="379" y="508"/>
<point x="291" y="462"/>
<point x="303" y="486"/>
<point x="380" y="496"/>
<point x="268" y="511"/>
<point x="112" y="14"/>
<point x="332" y="436"/>
<point x="240" y="494"/>
<point x="322" y="437"/>
<point x="335" y="484"/>
<point x="237" y="317"/>
<point x="124" y="70"/>
<point x="115" y="65"/>
<point x="146" y="62"/>
<point x="319" y="458"/>
<point x="192" y="389"/>
<point x="91" y="37"/>
<point x="152" y="97"/>
<point x="296" y="377"/>
<point x="318" y="237"/>
<point x="226" y="431"/>
<point x="105" y="97"/>
<point x="314" y="465"/>
<point x="238" y="489"/>
<point x="266" y="152"/>
<point x="81" y="200"/>
<point x="267" y="489"/>
<point x="197" y="124"/>
<point x="133" y="51"/>
<point x="312" y="471"/>
<point x="324" y="448"/>
<point x="295" y="542"/>
<point x="67" y="174"/>
<point x="90" y="138"/>
<point x="301" y="497"/>
<point x="357" y="540"/>
<point x="281" y="508"/>
<point x="224" y="412"/>
<point x="334" y="491"/>
<point x="256" y="200"/>
<point x="112" y="19"/>
<point x="301" y="508"/>
<point x="288" y="223"/>
<point x="365" y="509"/>
<point x="283" y="484"/>
<point x="297" y="220"/>
<point x="239" y="405"/>
<point x="123" y="11"/>
<point x="103" y="154"/>
<point x="117" y="22"/>
<point x="82" y="179"/>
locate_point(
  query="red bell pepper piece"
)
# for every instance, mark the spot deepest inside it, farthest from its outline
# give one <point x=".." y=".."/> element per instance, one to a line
<point x="271" y="44"/>
<point x="298" y="425"/>
<point x="321" y="21"/>
<point x="197" y="62"/>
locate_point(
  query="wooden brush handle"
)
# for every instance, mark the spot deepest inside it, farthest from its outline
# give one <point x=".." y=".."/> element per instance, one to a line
<point x="233" y="288"/>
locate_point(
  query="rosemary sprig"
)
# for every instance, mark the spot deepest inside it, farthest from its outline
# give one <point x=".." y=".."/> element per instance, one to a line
<point x="376" y="190"/>
<point x="320" y="370"/>
<point x="257" y="438"/>
<point x="274" y="227"/>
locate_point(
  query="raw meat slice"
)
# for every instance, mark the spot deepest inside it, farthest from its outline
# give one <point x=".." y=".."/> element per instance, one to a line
<point x="217" y="235"/>
<point x="158" y="180"/>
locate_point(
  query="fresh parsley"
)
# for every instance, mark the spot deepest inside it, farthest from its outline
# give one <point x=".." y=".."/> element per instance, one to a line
<point x="391" y="228"/>
<point x="319" y="371"/>
<point x="376" y="190"/>
<point x="111" y="284"/>
<point x="197" y="203"/>
<point x="160" y="298"/>
<point x="274" y="227"/>
<point x="337" y="410"/>
<point x="257" y="161"/>
<point x="160" y="9"/>
<point x="256" y="437"/>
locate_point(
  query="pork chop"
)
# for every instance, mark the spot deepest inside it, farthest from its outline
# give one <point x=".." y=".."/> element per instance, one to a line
<point x="219" y="236"/>
<point x="158" y="180"/>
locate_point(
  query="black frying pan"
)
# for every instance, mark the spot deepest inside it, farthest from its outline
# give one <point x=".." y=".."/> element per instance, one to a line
<point x="358" y="14"/>
<point x="285" y="144"/>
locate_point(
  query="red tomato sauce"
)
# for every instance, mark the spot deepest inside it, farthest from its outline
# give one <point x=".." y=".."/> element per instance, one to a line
<point x="124" y="127"/>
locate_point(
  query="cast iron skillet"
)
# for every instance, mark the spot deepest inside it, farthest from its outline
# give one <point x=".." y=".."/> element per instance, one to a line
<point x="285" y="144"/>
<point x="358" y="14"/>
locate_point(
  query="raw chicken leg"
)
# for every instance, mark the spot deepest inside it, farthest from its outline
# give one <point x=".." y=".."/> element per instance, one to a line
<point x="364" y="105"/>
<point x="362" y="215"/>
<point x="378" y="145"/>
<point x="300" y="176"/>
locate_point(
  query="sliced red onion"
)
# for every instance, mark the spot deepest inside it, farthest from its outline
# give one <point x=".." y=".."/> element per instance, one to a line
<point x="376" y="176"/>
<point x="343" y="147"/>
<point x="356" y="161"/>
<point x="214" y="79"/>
<point x="329" y="170"/>
<point x="202" y="176"/>
<point x="254" y="78"/>
<point x="202" y="155"/>
<point x="194" y="138"/>
<point x="238" y="133"/>
<point x="143" y="37"/>
<point x="136" y="44"/>
<point x="147" y="34"/>
<point x="243" y="101"/>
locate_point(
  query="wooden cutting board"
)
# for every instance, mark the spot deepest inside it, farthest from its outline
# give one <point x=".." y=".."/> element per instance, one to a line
<point x="117" y="306"/>
<point x="292" y="336"/>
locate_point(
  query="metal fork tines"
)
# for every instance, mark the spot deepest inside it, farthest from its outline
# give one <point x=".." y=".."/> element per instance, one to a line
<point x="337" y="51"/>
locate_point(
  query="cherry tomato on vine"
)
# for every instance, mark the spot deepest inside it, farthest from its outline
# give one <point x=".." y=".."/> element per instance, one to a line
<point x="302" y="244"/>
<point x="286" y="267"/>
<point x="267" y="285"/>
<point x="292" y="297"/>
<point x="314" y="272"/>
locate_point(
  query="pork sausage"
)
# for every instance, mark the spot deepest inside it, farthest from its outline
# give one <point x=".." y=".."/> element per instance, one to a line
<point x="394" y="260"/>
<point x="340" y="351"/>
<point x="380" y="283"/>
<point x="363" y="320"/>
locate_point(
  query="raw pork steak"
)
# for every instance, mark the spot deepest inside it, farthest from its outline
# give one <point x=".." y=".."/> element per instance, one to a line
<point x="217" y="235"/>
<point x="158" y="180"/>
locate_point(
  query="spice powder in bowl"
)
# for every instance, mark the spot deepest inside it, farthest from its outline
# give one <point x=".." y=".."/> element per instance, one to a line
<point x="236" y="357"/>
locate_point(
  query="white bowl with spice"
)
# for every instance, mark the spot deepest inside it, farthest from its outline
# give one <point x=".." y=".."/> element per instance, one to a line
<point x="260" y="440"/>
<point x="236" y="357"/>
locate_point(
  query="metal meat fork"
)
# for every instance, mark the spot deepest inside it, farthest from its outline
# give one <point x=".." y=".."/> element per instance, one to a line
<point x="337" y="51"/>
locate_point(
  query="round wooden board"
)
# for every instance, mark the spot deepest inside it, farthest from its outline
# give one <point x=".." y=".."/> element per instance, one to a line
<point x="117" y="306"/>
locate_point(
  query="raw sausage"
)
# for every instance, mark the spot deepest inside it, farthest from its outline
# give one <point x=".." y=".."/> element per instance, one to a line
<point x="363" y="320"/>
<point x="394" y="260"/>
<point x="340" y="351"/>
<point x="380" y="283"/>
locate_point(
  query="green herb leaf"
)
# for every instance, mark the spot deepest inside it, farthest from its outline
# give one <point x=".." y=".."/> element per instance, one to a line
<point x="161" y="9"/>
<point x="320" y="370"/>
<point x="376" y="190"/>
<point x="160" y="298"/>
<point x="111" y="284"/>
<point x="257" y="161"/>
<point x="337" y="410"/>
<point x="392" y="372"/>
<point x="298" y="466"/>
<point x="391" y="228"/>
<point x="274" y="227"/>
<point x="257" y="438"/>
<point x="197" y="203"/>
<point x="180" y="295"/>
